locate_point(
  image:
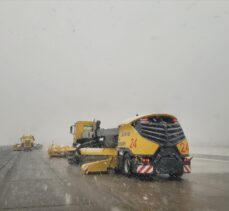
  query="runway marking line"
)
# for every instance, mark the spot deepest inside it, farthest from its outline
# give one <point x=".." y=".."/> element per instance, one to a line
<point x="209" y="159"/>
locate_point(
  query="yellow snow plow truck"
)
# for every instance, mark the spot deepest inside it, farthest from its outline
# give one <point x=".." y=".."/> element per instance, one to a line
<point x="26" y="143"/>
<point x="148" y="144"/>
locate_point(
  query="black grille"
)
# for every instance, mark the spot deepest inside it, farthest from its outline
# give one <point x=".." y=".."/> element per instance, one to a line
<point x="161" y="132"/>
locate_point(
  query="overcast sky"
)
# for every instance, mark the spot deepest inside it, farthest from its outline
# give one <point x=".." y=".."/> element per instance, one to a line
<point x="63" y="61"/>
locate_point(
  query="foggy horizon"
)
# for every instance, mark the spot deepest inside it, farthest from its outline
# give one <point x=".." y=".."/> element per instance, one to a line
<point x="63" y="62"/>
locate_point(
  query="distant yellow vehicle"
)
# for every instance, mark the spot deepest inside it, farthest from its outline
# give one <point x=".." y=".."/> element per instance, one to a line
<point x="27" y="143"/>
<point x="148" y="144"/>
<point x="59" y="151"/>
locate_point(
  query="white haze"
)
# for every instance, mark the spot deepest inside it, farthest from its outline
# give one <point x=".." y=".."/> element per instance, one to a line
<point x="63" y="61"/>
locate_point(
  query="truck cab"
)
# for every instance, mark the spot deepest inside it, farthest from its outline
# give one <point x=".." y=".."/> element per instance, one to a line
<point x="27" y="142"/>
<point x="83" y="131"/>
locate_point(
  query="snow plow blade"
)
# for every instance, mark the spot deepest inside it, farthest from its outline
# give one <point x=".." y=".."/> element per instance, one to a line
<point x="99" y="165"/>
<point x="17" y="147"/>
<point x="59" y="151"/>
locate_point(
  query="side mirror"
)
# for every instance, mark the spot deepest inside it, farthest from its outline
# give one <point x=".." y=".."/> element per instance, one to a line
<point x="71" y="129"/>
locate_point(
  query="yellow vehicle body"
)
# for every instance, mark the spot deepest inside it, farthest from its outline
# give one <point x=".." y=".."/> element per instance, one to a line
<point x="147" y="144"/>
<point x="59" y="151"/>
<point x="156" y="142"/>
<point x="130" y="138"/>
<point x="26" y="143"/>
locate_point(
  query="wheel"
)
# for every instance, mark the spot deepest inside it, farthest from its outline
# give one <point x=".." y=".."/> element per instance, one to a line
<point x="126" y="165"/>
<point x="70" y="158"/>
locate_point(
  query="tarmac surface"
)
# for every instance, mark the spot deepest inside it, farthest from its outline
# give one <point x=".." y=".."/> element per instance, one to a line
<point x="33" y="181"/>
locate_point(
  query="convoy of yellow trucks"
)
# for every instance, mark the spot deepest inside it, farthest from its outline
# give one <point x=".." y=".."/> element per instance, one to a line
<point x="151" y="144"/>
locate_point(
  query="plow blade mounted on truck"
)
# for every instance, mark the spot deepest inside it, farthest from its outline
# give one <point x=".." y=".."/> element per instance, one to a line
<point x="100" y="165"/>
<point x="59" y="151"/>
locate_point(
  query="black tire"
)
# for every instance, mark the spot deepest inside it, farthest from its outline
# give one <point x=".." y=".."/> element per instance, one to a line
<point x="126" y="168"/>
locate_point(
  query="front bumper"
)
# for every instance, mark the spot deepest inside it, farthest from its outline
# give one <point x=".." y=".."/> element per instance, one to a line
<point x="167" y="161"/>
